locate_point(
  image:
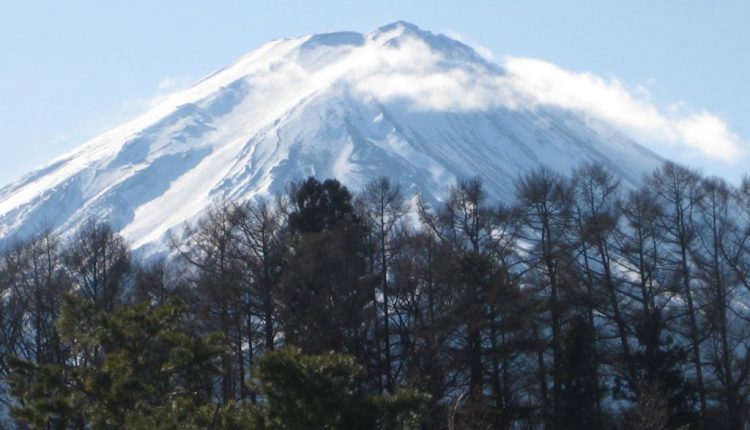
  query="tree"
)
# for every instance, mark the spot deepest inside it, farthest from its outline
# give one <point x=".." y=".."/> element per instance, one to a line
<point x="659" y="365"/>
<point x="545" y="209"/>
<point x="157" y="283"/>
<point x="596" y="201"/>
<point x="260" y="247"/>
<point x="208" y="249"/>
<point x="13" y="312"/>
<point x="640" y="244"/>
<point x="465" y="224"/>
<point x="425" y="272"/>
<point x="383" y="207"/>
<point x="147" y="360"/>
<point x="98" y="262"/>
<point x="728" y="356"/>
<point x="318" y="206"/>
<point x="318" y="392"/>
<point x="486" y="305"/>
<point x="678" y="190"/>
<point x="325" y="301"/>
<point x="580" y="391"/>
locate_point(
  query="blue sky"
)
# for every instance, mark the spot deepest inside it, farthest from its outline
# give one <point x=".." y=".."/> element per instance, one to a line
<point x="71" y="70"/>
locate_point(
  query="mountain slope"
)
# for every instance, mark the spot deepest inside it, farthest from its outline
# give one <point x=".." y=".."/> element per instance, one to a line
<point x="420" y="108"/>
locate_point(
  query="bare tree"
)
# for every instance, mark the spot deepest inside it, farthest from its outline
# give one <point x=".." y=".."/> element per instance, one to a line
<point x="382" y="205"/>
<point x="545" y="207"/>
<point x="717" y="234"/>
<point x="98" y="262"/>
<point x="207" y="248"/>
<point x="678" y="191"/>
<point x="259" y="250"/>
<point x="598" y="215"/>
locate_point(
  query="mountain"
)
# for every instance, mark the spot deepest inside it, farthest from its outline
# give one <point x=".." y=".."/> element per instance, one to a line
<point x="421" y="108"/>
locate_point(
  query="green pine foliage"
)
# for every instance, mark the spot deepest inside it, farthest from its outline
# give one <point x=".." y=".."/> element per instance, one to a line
<point x="123" y="365"/>
<point x="140" y="368"/>
<point x="319" y="392"/>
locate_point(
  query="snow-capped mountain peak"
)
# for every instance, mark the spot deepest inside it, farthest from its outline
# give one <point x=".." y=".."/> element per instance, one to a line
<point x="421" y="108"/>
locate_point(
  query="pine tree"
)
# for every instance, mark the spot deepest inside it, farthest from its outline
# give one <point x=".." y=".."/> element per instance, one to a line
<point x="659" y="363"/>
<point x="127" y="363"/>
<point x="318" y="392"/>
<point x="580" y="387"/>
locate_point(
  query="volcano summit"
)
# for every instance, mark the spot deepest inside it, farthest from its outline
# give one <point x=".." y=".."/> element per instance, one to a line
<point x="420" y="108"/>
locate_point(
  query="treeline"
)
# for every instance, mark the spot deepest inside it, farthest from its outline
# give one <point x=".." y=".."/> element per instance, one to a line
<point x="581" y="304"/>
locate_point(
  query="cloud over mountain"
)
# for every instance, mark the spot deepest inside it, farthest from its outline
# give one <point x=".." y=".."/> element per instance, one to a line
<point x="421" y="108"/>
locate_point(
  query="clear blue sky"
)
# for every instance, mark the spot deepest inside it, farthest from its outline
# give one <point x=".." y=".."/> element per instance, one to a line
<point x="72" y="69"/>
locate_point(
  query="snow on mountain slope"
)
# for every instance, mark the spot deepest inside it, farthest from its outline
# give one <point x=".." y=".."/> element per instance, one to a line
<point x="420" y="108"/>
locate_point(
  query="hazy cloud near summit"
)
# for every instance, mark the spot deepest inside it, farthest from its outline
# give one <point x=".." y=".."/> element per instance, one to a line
<point x="632" y="111"/>
<point x="439" y="78"/>
<point x="429" y="81"/>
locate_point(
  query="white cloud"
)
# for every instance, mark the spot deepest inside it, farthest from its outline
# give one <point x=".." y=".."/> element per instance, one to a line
<point x="164" y="88"/>
<point x="167" y="84"/>
<point x="482" y="50"/>
<point x="711" y="135"/>
<point x="631" y="110"/>
<point x="412" y="71"/>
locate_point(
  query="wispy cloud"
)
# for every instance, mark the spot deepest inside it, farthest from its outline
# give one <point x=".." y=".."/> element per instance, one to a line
<point x="412" y="71"/>
<point x="481" y="49"/>
<point x="631" y="110"/>
<point x="170" y="84"/>
<point x="424" y="79"/>
<point x="164" y="88"/>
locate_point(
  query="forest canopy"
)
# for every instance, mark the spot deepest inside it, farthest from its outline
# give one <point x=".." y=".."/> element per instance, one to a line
<point x="582" y="303"/>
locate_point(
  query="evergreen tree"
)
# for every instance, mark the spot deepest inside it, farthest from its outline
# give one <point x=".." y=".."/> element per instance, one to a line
<point x="318" y="206"/>
<point x="661" y="382"/>
<point x="325" y="303"/>
<point x="318" y="392"/>
<point x="124" y="364"/>
<point x="580" y="387"/>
